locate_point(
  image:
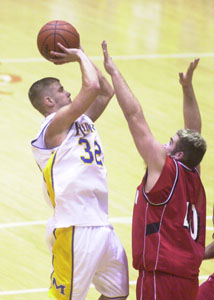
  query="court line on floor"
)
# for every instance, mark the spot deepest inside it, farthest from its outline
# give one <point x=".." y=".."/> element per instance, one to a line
<point x="115" y="220"/>
<point x="115" y="57"/>
<point x="45" y="290"/>
<point x="119" y="220"/>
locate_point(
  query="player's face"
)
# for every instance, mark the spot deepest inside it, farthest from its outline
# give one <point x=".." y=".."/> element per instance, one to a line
<point x="59" y="95"/>
<point x="170" y="146"/>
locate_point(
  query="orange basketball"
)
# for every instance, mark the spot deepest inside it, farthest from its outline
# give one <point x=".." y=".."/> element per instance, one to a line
<point x="57" y="32"/>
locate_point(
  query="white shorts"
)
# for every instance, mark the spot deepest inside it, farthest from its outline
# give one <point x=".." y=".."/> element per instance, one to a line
<point x="85" y="255"/>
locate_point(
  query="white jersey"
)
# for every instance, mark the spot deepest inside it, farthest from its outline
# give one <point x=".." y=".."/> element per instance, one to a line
<point x="74" y="175"/>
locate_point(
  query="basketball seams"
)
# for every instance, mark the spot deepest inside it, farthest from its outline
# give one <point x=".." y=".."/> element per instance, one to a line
<point x="61" y="29"/>
<point x="44" y="43"/>
<point x="54" y="39"/>
<point x="57" y="31"/>
<point x="55" y="43"/>
<point x="58" y="34"/>
<point x="65" y="30"/>
<point x="61" y="36"/>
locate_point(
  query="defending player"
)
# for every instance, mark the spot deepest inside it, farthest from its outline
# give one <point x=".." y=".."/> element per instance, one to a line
<point x="69" y="152"/>
<point x="167" y="237"/>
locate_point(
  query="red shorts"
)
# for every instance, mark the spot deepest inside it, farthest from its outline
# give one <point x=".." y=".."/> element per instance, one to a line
<point x="206" y="289"/>
<point x="162" y="286"/>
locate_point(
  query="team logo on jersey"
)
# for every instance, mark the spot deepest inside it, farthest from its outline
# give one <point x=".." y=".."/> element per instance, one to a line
<point x="84" y="129"/>
<point x="59" y="287"/>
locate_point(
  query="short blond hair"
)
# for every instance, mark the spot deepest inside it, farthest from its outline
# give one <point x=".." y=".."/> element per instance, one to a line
<point x="193" y="145"/>
<point x="37" y="90"/>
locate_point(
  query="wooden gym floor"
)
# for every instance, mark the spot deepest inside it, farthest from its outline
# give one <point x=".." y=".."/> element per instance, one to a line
<point x="150" y="41"/>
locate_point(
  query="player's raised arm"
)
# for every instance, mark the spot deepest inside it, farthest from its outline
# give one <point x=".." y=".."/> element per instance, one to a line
<point x="191" y="113"/>
<point x="149" y="148"/>
<point x="102" y="100"/>
<point x="67" y="114"/>
<point x="105" y="95"/>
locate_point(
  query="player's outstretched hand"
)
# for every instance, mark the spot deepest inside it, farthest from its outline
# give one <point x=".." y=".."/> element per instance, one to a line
<point x="108" y="63"/>
<point x="186" y="79"/>
<point x="67" y="55"/>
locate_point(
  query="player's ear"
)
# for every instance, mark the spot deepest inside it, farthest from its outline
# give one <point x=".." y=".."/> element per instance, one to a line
<point x="178" y="155"/>
<point x="48" y="101"/>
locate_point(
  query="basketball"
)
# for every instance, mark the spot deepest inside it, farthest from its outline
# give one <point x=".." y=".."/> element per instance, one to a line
<point x="57" y="32"/>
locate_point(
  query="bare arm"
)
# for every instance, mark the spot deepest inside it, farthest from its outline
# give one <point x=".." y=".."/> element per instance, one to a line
<point x="65" y="116"/>
<point x="209" y="251"/>
<point x="102" y="100"/>
<point x="151" y="150"/>
<point x="191" y="113"/>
